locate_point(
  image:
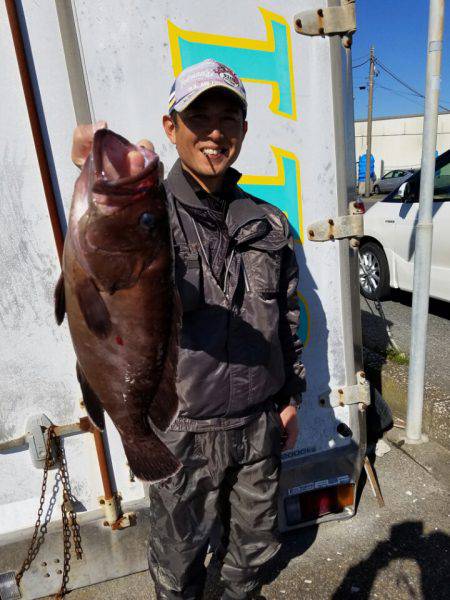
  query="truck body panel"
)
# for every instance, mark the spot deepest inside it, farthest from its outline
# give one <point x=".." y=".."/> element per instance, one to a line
<point x="298" y="154"/>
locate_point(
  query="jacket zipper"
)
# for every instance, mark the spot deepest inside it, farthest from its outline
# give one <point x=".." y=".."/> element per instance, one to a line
<point x="244" y="271"/>
<point x="225" y="279"/>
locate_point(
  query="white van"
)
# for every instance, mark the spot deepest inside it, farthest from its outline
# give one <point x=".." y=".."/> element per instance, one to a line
<point x="387" y="248"/>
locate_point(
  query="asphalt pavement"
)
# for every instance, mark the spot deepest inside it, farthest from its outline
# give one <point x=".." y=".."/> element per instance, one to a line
<point x="397" y="310"/>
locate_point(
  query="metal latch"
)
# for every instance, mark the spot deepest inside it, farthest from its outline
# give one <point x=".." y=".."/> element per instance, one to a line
<point x="351" y="394"/>
<point x="334" y="20"/>
<point x="336" y="228"/>
<point x="36" y="436"/>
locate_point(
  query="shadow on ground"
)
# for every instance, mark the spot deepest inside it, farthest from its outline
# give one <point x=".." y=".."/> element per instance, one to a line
<point x="439" y="308"/>
<point x="407" y="544"/>
<point x="376" y="345"/>
<point x="293" y="546"/>
<point x="407" y="541"/>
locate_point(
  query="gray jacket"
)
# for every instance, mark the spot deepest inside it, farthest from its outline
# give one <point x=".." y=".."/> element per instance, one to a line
<point x="239" y="348"/>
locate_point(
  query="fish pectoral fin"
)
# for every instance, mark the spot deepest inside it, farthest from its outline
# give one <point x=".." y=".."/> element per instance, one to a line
<point x="164" y="407"/>
<point x="60" y="300"/>
<point x="93" y="307"/>
<point x="92" y="404"/>
<point x="149" y="458"/>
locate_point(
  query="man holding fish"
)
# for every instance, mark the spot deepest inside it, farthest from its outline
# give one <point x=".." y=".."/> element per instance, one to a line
<point x="239" y="375"/>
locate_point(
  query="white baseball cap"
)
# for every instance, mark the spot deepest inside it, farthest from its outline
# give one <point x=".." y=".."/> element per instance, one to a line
<point x="199" y="78"/>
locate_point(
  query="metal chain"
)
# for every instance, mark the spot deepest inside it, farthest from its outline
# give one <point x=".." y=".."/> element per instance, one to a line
<point x="69" y="520"/>
<point x="36" y="541"/>
<point x="66" y="552"/>
<point x="380" y="310"/>
<point x="68" y="504"/>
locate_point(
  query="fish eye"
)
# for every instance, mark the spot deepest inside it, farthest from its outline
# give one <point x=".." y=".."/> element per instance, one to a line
<point x="147" y="220"/>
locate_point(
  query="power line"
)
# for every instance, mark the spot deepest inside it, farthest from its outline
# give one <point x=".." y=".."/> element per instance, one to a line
<point x="363" y="56"/>
<point x="361" y="64"/>
<point x="389" y="72"/>
<point x="402" y="95"/>
<point x="406" y="85"/>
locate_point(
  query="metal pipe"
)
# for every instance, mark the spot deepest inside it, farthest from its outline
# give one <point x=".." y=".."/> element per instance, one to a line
<point x="82" y="102"/>
<point x="103" y="464"/>
<point x="424" y="228"/>
<point x="21" y="443"/>
<point x="17" y="444"/>
<point x="30" y="99"/>
<point x="369" y="125"/>
<point x="58" y="234"/>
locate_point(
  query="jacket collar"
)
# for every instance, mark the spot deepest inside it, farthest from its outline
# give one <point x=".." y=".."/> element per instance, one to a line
<point x="181" y="188"/>
<point x="242" y="209"/>
<point x="185" y="188"/>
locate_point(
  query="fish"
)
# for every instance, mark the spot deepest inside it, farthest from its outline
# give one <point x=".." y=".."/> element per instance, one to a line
<point x="118" y="292"/>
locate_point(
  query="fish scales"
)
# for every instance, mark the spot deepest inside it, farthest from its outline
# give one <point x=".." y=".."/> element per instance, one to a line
<point x="118" y="292"/>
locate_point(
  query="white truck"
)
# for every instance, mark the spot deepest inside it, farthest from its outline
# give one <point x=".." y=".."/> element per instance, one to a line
<point x="73" y="61"/>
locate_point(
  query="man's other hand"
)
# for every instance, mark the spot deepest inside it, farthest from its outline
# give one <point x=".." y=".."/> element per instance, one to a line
<point x="289" y="420"/>
<point x="83" y="137"/>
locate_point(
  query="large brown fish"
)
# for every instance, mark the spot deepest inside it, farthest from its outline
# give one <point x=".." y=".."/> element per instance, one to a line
<point x="118" y="292"/>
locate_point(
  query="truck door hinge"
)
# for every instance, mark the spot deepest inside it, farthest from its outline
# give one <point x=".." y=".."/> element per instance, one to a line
<point x="351" y="394"/>
<point x="337" y="228"/>
<point x="334" y="20"/>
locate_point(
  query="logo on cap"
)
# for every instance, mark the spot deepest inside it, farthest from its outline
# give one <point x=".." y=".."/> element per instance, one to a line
<point x="227" y="74"/>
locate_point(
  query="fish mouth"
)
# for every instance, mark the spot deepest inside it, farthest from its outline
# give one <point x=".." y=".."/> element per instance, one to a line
<point x="112" y="177"/>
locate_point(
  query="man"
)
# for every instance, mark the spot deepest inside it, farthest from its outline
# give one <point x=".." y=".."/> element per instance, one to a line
<point x="240" y="374"/>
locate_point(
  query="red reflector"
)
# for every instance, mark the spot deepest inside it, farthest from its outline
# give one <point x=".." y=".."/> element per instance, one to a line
<point x="312" y="505"/>
<point x="360" y="207"/>
<point x="318" y="503"/>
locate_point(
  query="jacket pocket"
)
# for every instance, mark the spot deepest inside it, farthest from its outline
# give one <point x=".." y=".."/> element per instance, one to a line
<point x="188" y="277"/>
<point x="262" y="263"/>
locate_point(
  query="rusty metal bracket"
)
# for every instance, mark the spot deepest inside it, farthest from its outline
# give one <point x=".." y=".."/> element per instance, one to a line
<point x="351" y="394"/>
<point x="334" y="20"/>
<point x="113" y="515"/>
<point x="128" y="519"/>
<point x="336" y="228"/>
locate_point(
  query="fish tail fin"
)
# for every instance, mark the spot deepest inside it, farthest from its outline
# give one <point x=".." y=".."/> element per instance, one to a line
<point x="150" y="459"/>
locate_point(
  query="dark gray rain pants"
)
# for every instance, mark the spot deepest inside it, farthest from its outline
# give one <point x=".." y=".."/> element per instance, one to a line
<point x="229" y="478"/>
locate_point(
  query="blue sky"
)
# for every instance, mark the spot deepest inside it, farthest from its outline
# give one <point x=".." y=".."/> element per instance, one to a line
<point x="398" y="30"/>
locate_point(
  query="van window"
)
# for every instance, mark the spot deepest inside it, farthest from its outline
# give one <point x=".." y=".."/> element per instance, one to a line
<point x="442" y="184"/>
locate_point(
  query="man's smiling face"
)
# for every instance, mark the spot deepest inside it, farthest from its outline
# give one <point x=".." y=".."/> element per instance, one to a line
<point x="208" y="135"/>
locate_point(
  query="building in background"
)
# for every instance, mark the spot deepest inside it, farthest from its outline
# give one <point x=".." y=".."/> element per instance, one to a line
<point x="397" y="141"/>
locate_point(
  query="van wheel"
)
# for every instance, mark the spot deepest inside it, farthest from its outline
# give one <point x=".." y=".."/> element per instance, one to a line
<point x="376" y="190"/>
<point x="373" y="271"/>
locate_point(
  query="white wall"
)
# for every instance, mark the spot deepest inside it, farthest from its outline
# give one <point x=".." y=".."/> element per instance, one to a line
<point x="397" y="141"/>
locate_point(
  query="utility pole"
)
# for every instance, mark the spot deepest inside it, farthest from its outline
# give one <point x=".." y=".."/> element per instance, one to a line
<point x="369" y="124"/>
<point x="424" y="229"/>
